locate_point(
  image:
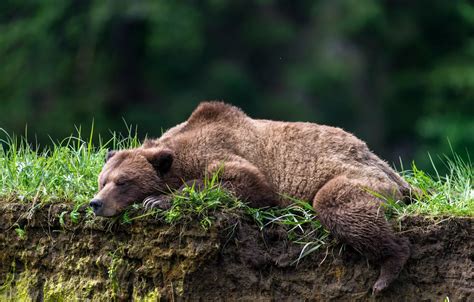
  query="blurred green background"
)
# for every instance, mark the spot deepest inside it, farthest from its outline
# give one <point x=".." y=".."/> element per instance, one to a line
<point x="398" y="74"/>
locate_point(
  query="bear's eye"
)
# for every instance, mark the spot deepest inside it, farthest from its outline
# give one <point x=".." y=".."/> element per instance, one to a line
<point x="120" y="181"/>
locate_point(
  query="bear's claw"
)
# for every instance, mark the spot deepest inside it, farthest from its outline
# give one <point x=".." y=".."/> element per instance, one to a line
<point x="160" y="202"/>
<point x="379" y="286"/>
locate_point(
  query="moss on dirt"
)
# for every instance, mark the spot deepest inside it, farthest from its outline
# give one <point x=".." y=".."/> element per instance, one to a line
<point x="94" y="259"/>
<point x="147" y="260"/>
<point x="16" y="287"/>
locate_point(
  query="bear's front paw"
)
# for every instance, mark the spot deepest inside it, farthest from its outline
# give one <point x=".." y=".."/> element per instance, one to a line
<point x="161" y="202"/>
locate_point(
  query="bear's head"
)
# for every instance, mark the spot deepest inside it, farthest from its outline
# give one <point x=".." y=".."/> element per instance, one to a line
<point x="129" y="176"/>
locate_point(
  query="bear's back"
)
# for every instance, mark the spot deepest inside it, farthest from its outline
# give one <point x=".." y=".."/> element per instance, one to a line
<point x="297" y="158"/>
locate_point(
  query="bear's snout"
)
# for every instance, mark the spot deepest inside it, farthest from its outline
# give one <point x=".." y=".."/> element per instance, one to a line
<point x="96" y="205"/>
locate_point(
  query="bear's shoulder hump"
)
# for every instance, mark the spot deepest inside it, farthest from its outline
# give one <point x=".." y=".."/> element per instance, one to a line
<point x="214" y="111"/>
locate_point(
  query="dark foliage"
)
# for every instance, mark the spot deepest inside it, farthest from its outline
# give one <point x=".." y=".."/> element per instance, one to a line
<point x="399" y="74"/>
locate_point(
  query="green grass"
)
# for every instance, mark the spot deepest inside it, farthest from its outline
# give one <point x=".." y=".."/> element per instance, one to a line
<point x="449" y="194"/>
<point x="67" y="172"/>
<point x="300" y="222"/>
<point x="191" y="204"/>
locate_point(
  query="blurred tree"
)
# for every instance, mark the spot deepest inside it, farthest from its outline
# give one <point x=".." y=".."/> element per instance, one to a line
<point x="397" y="73"/>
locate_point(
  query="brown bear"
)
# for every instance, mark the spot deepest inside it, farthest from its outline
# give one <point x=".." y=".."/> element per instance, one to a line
<point x="261" y="161"/>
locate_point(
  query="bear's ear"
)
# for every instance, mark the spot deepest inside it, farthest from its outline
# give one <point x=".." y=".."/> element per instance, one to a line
<point x="109" y="155"/>
<point x="161" y="159"/>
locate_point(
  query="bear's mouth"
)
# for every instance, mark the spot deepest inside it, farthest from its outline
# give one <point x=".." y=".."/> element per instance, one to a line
<point x="105" y="211"/>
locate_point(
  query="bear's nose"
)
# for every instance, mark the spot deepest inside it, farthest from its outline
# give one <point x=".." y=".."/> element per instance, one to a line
<point x="96" y="204"/>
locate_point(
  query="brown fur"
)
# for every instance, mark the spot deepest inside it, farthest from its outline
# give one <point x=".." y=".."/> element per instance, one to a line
<point x="262" y="161"/>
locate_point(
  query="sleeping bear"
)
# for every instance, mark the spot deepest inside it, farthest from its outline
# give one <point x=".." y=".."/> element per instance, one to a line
<point x="261" y="162"/>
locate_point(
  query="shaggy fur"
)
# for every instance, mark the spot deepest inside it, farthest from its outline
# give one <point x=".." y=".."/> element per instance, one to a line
<point x="262" y="161"/>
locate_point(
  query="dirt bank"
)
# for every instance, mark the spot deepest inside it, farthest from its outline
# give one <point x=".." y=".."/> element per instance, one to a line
<point x="44" y="257"/>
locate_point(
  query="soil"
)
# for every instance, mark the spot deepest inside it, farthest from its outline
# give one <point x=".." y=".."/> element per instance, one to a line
<point x="46" y="258"/>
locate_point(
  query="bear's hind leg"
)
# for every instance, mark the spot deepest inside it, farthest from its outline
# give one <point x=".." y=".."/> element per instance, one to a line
<point x="356" y="217"/>
<point x="392" y="265"/>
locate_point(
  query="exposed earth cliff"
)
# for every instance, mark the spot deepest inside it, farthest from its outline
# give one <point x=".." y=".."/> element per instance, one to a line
<point x="44" y="256"/>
